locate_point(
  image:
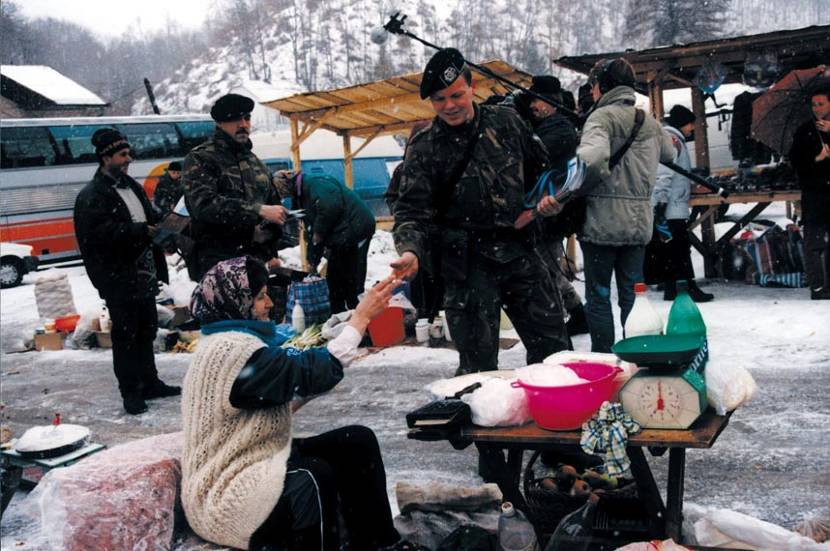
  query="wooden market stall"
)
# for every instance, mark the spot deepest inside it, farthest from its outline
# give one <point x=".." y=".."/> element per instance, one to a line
<point x="389" y="106"/>
<point x="676" y="66"/>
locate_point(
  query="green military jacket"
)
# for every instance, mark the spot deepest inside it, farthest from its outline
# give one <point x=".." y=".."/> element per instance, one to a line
<point x="490" y="193"/>
<point x="225" y="185"/>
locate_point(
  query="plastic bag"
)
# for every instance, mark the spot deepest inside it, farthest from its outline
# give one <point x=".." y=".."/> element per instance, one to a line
<point x="497" y="404"/>
<point x="726" y="528"/>
<point x="574" y="531"/>
<point x="728" y="385"/>
<point x="84" y="335"/>
<point x="335" y="325"/>
<point x="815" y="525"/>
<point x="53" y="295"/>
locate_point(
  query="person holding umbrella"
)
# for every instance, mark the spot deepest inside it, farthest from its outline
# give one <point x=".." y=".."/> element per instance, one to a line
<point x="810" y="157"/>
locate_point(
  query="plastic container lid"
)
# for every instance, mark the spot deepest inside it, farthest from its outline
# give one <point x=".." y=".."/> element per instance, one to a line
<point x="640" y="288"/>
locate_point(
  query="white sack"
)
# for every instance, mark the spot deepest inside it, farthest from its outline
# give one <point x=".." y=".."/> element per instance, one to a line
<point x="53" y="296"/>
<point x="728" y="385"/>
<point x="497" y="404"/>
<point x="731" y="529"/>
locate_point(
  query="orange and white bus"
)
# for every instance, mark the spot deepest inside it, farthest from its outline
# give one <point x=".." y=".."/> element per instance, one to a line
<point x="46" y="162"/>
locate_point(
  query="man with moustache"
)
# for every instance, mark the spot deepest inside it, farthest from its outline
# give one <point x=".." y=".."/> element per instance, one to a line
<point x="115" y="225"/>
<point x="234" y="207"/>
<point x="466" y="175"/>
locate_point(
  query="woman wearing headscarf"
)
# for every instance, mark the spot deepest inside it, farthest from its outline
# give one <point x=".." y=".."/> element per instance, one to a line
<point x="246" y="483"/>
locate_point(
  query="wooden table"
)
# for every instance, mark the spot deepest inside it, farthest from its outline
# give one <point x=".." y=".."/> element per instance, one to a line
<point x="665" y="518"/>
<point x="708" y="246"/>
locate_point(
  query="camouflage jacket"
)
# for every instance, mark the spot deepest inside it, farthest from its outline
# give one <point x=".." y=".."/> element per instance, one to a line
<point x="490" y="193"/>
<point x="225" y="185"/>
<point x="167" y="194"/>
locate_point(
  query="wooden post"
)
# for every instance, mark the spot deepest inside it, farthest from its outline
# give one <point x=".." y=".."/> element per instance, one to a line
<point x="655" y="98"/>
<point x="347" y="161"/>
<point x="295" y="143"/>
<point x="707" y="228"/>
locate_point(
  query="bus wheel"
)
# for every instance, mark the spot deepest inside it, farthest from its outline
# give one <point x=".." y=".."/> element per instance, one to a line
<point x="10" y="273"/>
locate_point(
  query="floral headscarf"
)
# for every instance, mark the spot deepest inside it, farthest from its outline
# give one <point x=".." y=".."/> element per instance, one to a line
<point x="224" y="293"/>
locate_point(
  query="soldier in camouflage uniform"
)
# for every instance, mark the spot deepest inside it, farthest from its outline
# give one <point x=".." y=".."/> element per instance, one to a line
<point x="234" y="206"/>
<point x="486" y="263"/>
<point x="169" y="189"/>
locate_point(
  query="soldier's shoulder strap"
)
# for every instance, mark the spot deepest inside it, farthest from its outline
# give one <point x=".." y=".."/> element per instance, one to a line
<point x="639" y="119"/>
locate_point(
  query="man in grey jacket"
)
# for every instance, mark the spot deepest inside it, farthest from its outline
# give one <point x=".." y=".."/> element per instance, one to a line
<point x="670" y="200"/>
<point x="618" y="218"/>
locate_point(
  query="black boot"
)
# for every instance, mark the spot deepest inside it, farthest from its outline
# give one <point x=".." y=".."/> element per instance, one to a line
<point x="577" y="324"/>
<point x="822" y="293"/>
<point x="670" y="290"/>
<point x="134" y="404"/>
<point x="698" y="295"/>
<point x="160" y="390"/>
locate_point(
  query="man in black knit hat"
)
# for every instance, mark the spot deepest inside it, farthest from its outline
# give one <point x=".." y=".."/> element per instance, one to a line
<point x="114" y="225"/>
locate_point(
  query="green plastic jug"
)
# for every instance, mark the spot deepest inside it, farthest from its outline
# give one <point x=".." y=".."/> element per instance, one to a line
<point x="684" y="316"/>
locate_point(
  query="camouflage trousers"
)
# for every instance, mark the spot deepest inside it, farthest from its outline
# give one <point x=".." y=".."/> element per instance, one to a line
<point x="552" y="252"/>
<point x="529" y="298"/>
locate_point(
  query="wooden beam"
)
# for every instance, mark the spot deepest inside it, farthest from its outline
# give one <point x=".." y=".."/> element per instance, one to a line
<point x="295" y="143"/>
<point x="347" y="162"/>
<point x="363" y="145"/>
<point x="655" y="98"/>
<point x="382" y="129"/>
<point x="707" y="228"/>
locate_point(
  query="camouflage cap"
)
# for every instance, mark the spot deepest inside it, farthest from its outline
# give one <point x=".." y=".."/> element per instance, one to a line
<point x="441" y="71"/>
<point x="231" y="107"/>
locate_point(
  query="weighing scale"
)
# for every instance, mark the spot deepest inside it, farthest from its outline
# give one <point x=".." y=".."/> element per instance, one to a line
<point x="670" y="391"/>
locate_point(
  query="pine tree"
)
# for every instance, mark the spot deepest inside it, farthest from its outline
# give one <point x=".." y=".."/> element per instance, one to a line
<point x="667" y="22"/>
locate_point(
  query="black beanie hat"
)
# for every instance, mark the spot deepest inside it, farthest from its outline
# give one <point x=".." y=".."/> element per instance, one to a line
<point x="107" y="141"/>
<point x="175" y="166"/>
<point x="679" y="116"/>
<point x="441" y="71"/>
<point x="231" y="107"/>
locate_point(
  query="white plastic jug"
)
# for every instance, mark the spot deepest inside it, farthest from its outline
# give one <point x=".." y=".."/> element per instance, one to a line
<point x="298" y="318"/>
<point x="643" y="318"/>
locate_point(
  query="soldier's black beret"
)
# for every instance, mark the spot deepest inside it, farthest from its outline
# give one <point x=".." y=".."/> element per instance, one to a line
<point x="441" y="71"/>
<point x="231" y="107"/>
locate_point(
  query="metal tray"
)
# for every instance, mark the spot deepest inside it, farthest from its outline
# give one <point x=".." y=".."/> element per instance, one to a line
<point x="659" y="351"/>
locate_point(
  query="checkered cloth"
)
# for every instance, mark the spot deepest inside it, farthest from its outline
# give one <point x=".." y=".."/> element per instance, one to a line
<point x="606" y="434"/>
<point x="313" y="295"/>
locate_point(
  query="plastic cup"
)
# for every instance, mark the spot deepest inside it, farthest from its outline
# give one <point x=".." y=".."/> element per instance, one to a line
<point x="422" y="330"/>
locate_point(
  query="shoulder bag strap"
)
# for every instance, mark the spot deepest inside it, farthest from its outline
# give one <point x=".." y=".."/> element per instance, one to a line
<point x="443" y="194"/>
<point x="639" y="119"/>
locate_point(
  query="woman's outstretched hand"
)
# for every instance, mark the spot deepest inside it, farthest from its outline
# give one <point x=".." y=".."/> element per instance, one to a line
<point x="373" y="303"/>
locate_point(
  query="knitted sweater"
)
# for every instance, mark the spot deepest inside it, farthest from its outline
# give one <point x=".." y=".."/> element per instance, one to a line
<point x="234" y="460"/>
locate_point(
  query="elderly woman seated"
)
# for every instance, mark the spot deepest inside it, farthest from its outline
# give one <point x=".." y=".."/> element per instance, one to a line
<point x="246" y="483"/>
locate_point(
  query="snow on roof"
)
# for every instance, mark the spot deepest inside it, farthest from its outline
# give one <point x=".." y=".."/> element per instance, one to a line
<point x="264" y="91"/>
<point x="50" y="84"/>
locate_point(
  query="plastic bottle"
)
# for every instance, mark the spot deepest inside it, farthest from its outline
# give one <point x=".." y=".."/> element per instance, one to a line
<point x="643" y="318"/>
<point x="684" y="316"/>
<point x="104" y="319"/>
<point x="575" y="530"/>
<point x="298" y="318"/>
<point x="516" y="533"/>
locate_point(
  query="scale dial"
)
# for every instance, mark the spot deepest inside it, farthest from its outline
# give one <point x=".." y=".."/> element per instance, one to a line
<point x="663" y="401"/>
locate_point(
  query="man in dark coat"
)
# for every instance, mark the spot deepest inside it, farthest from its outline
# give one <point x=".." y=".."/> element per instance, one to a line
<point x="114" y="225"/>
<point x="339" y="226"/>
<point x="169" y="189"/>
<point x="467" y="174"/>
<point x="234" y="207"/>
<point x="810" y="156"/>
<point x="559" y="136"/>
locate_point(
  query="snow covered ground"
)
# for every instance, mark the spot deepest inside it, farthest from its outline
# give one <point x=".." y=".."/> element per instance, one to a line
<point x="772" y="461"/>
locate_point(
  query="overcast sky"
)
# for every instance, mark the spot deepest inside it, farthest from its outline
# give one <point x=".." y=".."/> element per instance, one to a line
<point x="109" y="18"/>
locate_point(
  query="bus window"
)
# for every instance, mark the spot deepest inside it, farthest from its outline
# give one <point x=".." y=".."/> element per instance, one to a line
<point x="194" y="133"/>
<point x="75" y="143"/>
<point x="152" y="140"/>
<point x="26" y="147"/>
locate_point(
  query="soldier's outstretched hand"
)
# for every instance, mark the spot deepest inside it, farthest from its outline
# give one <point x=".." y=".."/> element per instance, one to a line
<point x="548" y="206"/>
<point x="405" y="267"/>
<point x="274" y="213"/>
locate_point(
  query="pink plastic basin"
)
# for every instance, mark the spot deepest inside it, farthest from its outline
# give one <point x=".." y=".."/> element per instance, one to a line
<point x="567" y="407"/>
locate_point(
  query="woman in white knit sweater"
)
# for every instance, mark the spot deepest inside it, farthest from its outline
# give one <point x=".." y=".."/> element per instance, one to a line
<point x="246" y="483"/>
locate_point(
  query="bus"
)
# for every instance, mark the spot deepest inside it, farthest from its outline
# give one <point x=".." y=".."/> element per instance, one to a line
<point x="322" y="154"/>
<point x="44" y="163"/>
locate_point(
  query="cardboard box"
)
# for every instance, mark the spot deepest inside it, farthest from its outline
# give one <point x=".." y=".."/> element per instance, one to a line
<point x="49" y="341"/>
<point x="104" y="339"/>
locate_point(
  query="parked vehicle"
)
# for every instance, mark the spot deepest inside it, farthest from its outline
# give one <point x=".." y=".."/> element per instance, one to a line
<point x="16" y="260"/>
<point x="46" y="162"/>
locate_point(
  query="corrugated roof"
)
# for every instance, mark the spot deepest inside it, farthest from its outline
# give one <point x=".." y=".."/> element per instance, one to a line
<point x="50" y="84"/>
<point x="677" y="65"/>
<point x="383" y="106"/>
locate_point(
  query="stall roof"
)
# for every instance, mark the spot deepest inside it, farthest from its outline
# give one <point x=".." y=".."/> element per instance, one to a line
<point x="677" y="65"/>
<point x="383" y="106"/>
<point x="51" y="85"/>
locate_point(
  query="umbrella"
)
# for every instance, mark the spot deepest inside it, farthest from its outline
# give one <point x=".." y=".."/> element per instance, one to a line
<point x="778" y="113"/>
